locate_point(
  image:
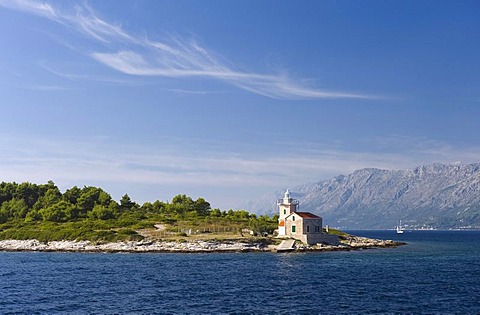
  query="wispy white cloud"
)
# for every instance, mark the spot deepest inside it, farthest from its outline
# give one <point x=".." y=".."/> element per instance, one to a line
<point x="49" y="88"/>
<point x="107" y="80"/>
<point x="173" y="58"/>
<point x="196" y="92"/>
<point x="86" y="20"/>
<point x="33" y="7"/>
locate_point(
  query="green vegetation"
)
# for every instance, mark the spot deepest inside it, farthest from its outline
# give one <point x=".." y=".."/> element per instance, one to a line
<point x="336" y="232"/>
<point x="43" y="212"/>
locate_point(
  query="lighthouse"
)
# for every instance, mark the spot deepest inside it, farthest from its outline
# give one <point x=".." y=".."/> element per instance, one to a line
<point x="286" y="206"/>
<point x="302" y="226"/>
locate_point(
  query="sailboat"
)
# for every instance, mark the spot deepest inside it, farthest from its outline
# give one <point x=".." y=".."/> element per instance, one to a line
<point x="399" y="228"/>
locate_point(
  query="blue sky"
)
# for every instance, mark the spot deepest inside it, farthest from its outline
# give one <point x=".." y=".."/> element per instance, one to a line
<point x="228" y="100"/>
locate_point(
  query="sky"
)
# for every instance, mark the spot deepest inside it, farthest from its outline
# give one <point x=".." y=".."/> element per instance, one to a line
<point x="229" y="100"/>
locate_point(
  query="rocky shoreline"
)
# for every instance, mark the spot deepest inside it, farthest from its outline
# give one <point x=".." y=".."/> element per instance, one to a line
<point x="211" y="246"/>
<point x="128" y="247"/>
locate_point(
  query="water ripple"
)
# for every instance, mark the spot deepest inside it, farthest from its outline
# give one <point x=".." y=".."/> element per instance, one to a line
<point x="435" y="273"/>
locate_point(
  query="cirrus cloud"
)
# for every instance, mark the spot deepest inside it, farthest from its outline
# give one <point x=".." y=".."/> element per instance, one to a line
<point x="173" y="57"/>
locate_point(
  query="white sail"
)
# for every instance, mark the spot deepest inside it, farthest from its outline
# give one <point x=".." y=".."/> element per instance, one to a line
<point x="399" y="228"/>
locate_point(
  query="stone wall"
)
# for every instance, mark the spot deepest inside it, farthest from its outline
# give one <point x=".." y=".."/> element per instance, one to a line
<point x="312" y="237"/>
<point x="298" y="223"/>
<point x="312" y="223"/>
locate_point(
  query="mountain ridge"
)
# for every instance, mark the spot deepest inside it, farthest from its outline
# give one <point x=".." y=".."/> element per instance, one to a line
<point x="428" y="196"/>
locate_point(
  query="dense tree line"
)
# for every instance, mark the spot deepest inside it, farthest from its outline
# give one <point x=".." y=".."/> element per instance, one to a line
<point x="32" y="202"/>
<point x="28" y="202"/>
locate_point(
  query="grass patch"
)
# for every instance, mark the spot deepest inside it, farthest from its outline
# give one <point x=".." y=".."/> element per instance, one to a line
<point x="130" y="228"/>
<point x="95" y="231"/>
<point x="336" y="232"/>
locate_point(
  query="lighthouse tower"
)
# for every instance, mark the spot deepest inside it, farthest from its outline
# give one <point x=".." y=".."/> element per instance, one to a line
<point x="286" y="206"/>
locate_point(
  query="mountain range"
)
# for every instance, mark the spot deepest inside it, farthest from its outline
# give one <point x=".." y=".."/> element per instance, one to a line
<point x="438" y="196"/>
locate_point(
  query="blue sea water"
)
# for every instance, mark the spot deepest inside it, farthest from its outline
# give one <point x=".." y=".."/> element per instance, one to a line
<point x="438" y="272"/>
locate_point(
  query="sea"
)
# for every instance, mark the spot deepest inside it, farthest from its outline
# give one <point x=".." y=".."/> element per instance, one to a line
<point x="437" y="272"/>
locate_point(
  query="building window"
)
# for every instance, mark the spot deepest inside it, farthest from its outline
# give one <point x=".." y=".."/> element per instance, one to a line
<point x="317" y="228"/>
<point x="308" y="228"/>
<point x="293" y="218"/>
<point x="294" y="228"/>
<point x="284" y="211"/>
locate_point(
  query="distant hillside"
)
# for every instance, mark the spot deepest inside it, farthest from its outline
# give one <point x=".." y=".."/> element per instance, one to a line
<point x="437" y="196"/>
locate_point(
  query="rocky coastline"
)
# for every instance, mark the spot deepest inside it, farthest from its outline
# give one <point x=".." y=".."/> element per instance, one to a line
<point x="204" y="246"/>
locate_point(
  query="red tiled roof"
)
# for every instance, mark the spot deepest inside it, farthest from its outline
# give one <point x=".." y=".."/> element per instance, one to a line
<point x="308" y="215"/>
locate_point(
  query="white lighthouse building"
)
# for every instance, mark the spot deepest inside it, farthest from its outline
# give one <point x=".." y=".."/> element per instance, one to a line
<point x="303" y="226"/>
<point x="286" y="206"/>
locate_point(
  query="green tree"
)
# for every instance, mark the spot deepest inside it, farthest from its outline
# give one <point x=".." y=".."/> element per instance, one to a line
<point x="88" y="199"/>
<point x="102" y="213"/>
<point x="181" y="205"/>
<point x="13" y="210"/>
<point x="159" y="207"/>
<point x="33" y="215"/>
<point x="215" y="213"/>
<point x="28" y="192"/>
<point x="126" y="204"/>
<point x="4" y="216"/>
<point x="104" y="198"/>
<point x="147" y="207"/>
<point x="51" y="196"/>
<point x="238" y="215"/>
<point x="183" y="200"/>
<point x="262" y="224"/>
<point x="71" y="195"/>
<point x="202" y="207"/>
<point x="59" y="212"/>
<point x="7" y="191"/>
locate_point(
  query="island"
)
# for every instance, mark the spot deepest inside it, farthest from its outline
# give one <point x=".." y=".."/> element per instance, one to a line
<point x="194" y="246"/>
<point x="41" y="218"/>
